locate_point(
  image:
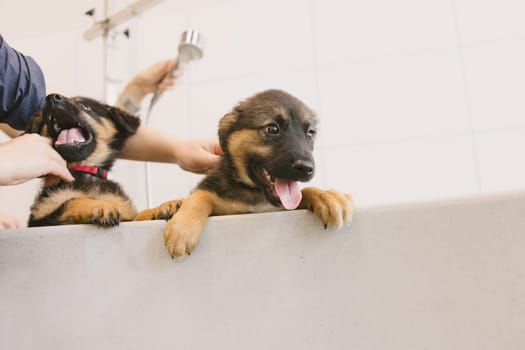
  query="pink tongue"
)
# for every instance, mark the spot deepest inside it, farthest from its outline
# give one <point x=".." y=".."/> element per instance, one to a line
<point x="288" y="192"/>
<point x="68" y="136"/>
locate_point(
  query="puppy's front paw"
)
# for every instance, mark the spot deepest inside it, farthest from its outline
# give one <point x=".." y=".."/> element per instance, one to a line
<point x="331" y="207"/>
<point x="181" y="236"/>
<point x="106" y="215"/>
<point x="87" y="211"/>
<point x="163" y="212"/>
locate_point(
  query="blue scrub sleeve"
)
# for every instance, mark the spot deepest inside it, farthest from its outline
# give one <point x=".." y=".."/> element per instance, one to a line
<point x="22" y="87"/>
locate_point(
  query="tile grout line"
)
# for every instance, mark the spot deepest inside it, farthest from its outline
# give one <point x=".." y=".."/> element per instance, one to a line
<point x="468" y="104"/>
<point x="315" y="73"/>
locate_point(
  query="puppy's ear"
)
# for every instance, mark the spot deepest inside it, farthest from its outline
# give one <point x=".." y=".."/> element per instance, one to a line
<point x="226" y="126"/>
<point x="126" y="123"/>
<point x="35" y="124"/>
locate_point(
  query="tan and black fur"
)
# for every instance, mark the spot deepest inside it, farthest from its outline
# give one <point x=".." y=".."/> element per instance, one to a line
<point x="89" y="199"/>
<point x="267" y="137"/>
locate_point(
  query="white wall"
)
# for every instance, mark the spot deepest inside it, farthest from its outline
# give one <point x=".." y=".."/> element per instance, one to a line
<point x="418" y="99"/>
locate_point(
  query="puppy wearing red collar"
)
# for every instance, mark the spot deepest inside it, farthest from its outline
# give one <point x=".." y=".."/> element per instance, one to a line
<point x="88" y="135"/>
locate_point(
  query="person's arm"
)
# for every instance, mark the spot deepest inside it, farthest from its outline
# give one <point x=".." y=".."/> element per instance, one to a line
<point x="154" y="145"/>
<point x="22" y="94"/>
<point x="146" y="82"/>
<point x="22" y="87"/>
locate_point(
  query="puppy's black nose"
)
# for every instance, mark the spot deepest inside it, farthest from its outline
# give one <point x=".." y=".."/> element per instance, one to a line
<point x="304" y="168"/>
<point x="53" y="98"/>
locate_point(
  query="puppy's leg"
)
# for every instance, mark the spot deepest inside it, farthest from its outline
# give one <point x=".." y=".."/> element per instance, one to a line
<point x="183" y="230"/>
<point x="90" y="211"/>
<point x="163" y="212"/>
<point x="331" y="207"/>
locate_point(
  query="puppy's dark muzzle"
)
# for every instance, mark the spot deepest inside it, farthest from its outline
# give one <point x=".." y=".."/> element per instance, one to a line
<point x="303" y="170"/>
<point x="53" y="99"/>
<point x="60" y="107"/>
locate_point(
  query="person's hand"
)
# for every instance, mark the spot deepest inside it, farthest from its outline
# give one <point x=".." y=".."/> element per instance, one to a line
<point x="30" y="156"/>
<point x="151" y="79"/>
<point x="198" y="156"/>
<point x="9" y="222"/>
<point x="147" y="81"/>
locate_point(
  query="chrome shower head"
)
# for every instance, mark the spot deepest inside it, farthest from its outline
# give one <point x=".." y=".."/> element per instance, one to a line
<point x="190" y="46"/>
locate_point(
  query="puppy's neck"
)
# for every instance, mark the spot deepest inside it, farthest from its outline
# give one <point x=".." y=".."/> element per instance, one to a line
<point x="92" y="170"/>
<point x="231" y="168"/>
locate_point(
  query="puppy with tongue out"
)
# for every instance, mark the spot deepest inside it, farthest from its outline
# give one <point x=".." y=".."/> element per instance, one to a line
<point x="88" y="135"/>
<point x="267" y="141"/>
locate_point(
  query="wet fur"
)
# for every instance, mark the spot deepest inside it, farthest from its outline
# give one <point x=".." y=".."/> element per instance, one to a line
<point x="89" y="199"/>
<point x="235" y="187"/>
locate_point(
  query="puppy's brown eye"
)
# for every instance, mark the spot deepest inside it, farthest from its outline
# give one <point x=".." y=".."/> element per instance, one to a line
<point x="310" y="134"/>
<point x="272" y="129"/>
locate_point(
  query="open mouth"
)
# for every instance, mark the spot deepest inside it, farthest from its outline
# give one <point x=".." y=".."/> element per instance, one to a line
<point x="68" y="131"/>
<point x="279" y="191"/>
<point x="72" y="136"/>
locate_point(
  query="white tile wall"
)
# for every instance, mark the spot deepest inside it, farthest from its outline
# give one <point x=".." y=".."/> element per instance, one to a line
<point x="29" y="19"/>
<point x="253" y="37"/>
<point x="496" y="84"/>
<point x="418" y="99"/>
<point x="359" y="29"/>
<point x="393" y="98"/>
<point x="403" y="171"/>
<point x="482" y="20"/>
<point x="501" y="162"/>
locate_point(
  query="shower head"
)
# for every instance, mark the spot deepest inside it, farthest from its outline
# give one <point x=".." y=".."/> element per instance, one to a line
<point x="190" y="49"/>
<point x="190" y="46"/>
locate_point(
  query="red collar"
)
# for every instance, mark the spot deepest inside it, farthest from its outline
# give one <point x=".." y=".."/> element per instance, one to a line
<point x="93" y="170"/>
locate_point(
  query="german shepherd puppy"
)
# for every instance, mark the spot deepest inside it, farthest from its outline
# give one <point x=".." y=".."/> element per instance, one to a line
<point x="88" y="135"/>
<point x="267" y="142"/>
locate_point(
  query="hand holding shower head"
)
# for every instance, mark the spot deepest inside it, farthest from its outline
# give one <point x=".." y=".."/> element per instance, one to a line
<point x="190" y="49"/>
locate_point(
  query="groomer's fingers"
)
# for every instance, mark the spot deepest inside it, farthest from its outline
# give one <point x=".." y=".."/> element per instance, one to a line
<point x="30" y="156"/>
<point x="51" y="180"/>
<point x="215" y="147"/>
<point x="169" y="81"/>
<point x="9" y="222"/>
<point x="57" y="164"/>
<point x="167" y="84"/>
<point x="169" y="64"/>
<point x="61" y="172"/>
